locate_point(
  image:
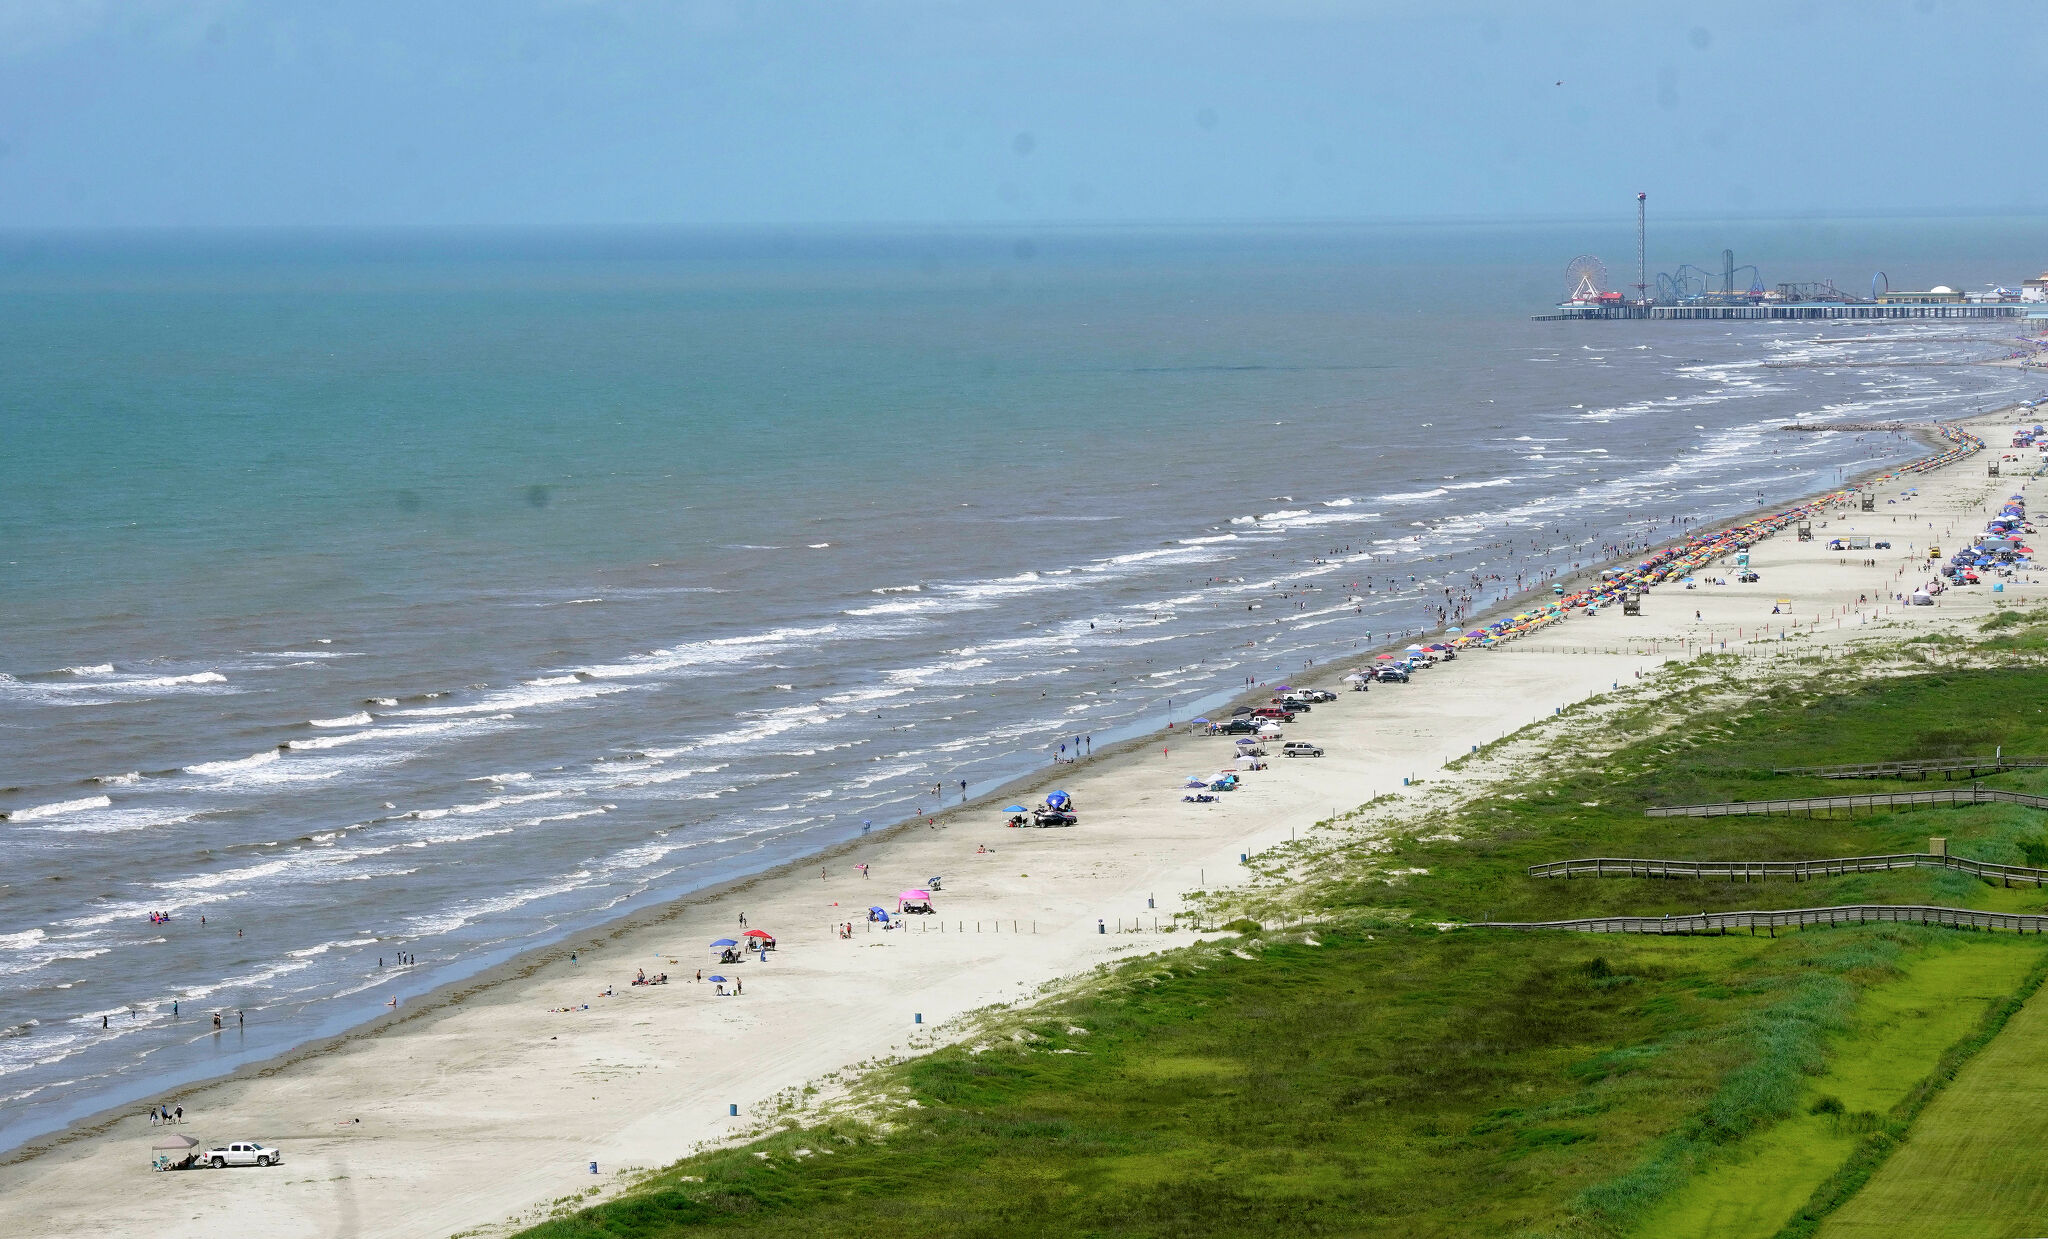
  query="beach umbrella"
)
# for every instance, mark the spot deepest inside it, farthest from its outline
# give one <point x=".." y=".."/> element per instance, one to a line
<point x="1384" y="658"/>
<point x="723" y="942"/>
<point x="757" y="933"/>
<point x="1414" y="649"/>
<point x="915" y="895"/>
<point x="1283" y="688"/>
<point x="175" y="1142"/>
<point x="1198" y="720"/>
<point x="720" y="980"/>
<point x="1016" y="808"/>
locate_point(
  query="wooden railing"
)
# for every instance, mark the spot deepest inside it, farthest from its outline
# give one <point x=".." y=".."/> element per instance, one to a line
<point x="1946" y="767"/>
<point x="1722" y="922"/>
<point x="1796" y="870"/>
<point x="1872" y="802"/>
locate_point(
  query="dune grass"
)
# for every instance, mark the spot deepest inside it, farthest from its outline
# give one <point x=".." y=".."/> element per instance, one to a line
<point x="1394" y="1079"/>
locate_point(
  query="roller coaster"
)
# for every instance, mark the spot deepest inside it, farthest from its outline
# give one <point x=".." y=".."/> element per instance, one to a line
<point x="1691" y="285"/>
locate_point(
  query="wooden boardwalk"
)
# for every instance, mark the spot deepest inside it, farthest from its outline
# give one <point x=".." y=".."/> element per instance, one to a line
<point x="1787" y="918"/>
<point x="1796" y="870"/>
<point x="1872" y="802"/>
<point x="1946" y="767"/>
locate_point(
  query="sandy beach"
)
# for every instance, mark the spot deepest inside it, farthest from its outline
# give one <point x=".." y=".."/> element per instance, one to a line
<point x="481" y="1106"/>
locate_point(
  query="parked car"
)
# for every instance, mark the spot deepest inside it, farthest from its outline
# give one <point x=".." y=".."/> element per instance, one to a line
<point x="1297" y="704"/>
<point x="1748" y="578"/>
<point x="1237" y="727"/>
<point x="1391" y="674"/>
<point x="1320" y="694"/>
<point x="1300" y="748"/>
<point x="1882" y="546"/>
<point x="1274" y="712"/>
<point x="241" y="1153"/>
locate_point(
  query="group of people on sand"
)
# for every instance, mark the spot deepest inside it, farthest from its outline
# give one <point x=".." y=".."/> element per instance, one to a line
<point x="159" y="1115"/>
<point x="660" y="978"/>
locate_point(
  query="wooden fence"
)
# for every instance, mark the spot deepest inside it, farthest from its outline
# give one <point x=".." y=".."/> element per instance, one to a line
<point x="1946" y="767"/>
<point x="1772" y="921"/>
<point x="1796" y="870"/>
<point x="1872" y="802"/>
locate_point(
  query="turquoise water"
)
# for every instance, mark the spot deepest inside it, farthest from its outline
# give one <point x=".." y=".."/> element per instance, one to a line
<point x="370" y="594"/>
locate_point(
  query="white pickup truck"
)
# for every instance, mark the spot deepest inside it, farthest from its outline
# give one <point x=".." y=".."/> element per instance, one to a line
<point x="241" y="1153"/>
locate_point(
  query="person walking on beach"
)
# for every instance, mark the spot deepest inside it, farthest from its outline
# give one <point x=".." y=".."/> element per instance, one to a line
<point x="743" y="920"/>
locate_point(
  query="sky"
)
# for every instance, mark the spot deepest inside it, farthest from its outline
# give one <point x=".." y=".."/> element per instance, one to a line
<point x="524" y="113"/>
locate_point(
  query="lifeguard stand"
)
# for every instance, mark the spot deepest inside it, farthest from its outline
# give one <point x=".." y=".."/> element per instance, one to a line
<point x="1632" y="604"/>
<point x="1870" y="501"/>
<point x="1806" y="531"/>
<point x="1992" y="469"/>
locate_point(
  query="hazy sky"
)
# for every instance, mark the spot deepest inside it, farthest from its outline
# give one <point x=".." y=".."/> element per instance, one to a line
<point x="147" y="112"/>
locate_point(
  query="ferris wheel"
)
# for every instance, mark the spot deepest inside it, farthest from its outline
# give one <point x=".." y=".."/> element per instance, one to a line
<point x="1585" y="278"/>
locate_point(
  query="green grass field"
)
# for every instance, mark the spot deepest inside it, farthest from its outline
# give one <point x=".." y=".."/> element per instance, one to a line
<point x="1975" y="1164"/>
<point x="1897" y="1036"/>
<point x="1398" y="1080"/>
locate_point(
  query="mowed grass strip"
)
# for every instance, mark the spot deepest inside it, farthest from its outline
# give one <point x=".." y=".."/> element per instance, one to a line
<point x="1898" y="1034"/>
<point x="1975" y="1163"/>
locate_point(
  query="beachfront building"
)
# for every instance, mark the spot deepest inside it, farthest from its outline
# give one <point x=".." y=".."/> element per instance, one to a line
<point x="1940" y="294"/>
<point x="2035" y="289"/>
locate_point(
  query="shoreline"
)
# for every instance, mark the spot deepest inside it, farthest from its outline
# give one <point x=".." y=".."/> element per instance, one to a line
<point x="492" y="986"/>
<point x="527" y="961"/>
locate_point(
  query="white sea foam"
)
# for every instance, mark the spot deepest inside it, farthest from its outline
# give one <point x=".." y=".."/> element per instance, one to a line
<point x="95" y="669"/>
<point x="236" y="766"/>
<point x="118" y="780"/>
<point x="58" y="808"/>
<point x="560" y="691"/>
<point x="169" y="681"/>
<point x="339" y="944"/>
<point x="360" y="718"/>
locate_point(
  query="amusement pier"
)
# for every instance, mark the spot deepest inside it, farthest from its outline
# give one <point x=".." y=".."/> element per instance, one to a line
<point x="1738" y="293"/>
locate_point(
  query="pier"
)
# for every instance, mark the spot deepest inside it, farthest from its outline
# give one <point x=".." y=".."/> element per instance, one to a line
<point x="1768" y="311"/>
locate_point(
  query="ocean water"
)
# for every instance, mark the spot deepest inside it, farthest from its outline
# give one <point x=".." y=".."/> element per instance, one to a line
<point x="372" y="594"/>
